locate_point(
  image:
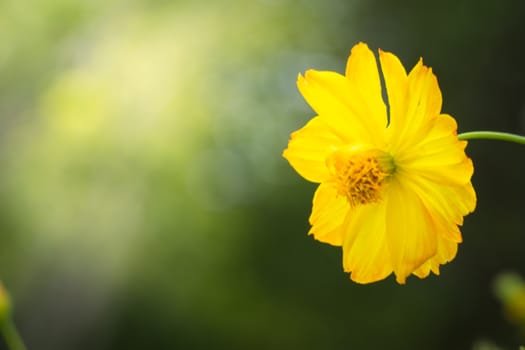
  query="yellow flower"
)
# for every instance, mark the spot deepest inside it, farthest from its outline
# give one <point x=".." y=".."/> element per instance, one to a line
<point x="394" y="183"/>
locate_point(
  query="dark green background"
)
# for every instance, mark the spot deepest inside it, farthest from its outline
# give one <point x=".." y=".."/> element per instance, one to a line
<point x="145" y="203"/>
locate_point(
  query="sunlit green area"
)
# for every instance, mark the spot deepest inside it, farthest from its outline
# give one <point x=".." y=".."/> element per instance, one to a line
<point x="145" y="203"/>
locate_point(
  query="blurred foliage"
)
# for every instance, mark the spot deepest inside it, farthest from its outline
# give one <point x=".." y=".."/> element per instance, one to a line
<point x="510" y="289"/>
<point x="146" y="203"/>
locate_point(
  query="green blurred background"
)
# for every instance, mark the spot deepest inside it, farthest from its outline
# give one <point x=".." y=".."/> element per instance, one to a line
<point x="145" y="203"/>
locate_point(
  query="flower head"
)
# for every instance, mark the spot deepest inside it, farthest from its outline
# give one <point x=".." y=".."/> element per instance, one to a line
<point x="394" y="183"/>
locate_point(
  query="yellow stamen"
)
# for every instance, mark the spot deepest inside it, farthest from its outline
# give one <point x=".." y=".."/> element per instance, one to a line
<point x="360" y="174"/>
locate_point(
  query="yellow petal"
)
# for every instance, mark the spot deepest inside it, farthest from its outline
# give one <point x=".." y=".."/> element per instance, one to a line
<point x="424" y="93"/>
<point x="330" y="95"/>
<point x="326" y="92"/>
<point x="365" y="252"/>
<point x="446" y="252"/>
<point x="440" y="157"/>
<point x="396" y="82"/>
<point x="363" y="74"/>
<point x="308" y="148"/>
<point x="445" y="203"/>
<point x="443" y="168"/>
<point x="422" y="103"/>
<point x="410" y="233"/>
<point x="328" y="214"/>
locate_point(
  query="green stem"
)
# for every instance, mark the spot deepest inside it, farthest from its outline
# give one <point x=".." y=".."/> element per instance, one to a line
<point x="492" y="135"/>
<point x="11" y="336"/>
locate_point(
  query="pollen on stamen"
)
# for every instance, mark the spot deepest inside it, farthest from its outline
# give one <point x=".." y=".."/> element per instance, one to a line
<point x="360" y="175"/>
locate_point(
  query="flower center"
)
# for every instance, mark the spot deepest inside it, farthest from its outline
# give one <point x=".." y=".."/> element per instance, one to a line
<point x="360" y="174"/>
